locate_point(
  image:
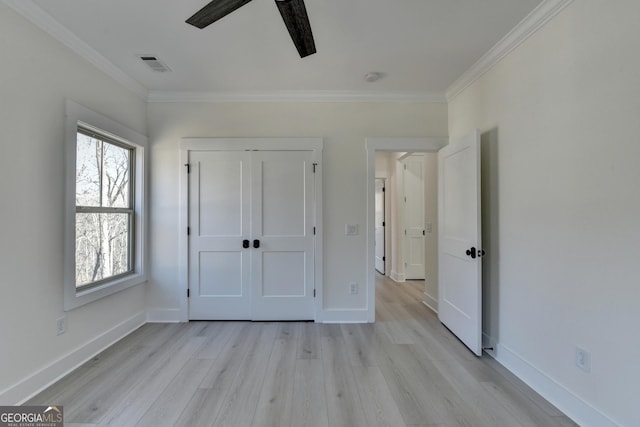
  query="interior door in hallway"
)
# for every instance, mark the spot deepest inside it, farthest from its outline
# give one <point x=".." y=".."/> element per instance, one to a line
<point x="380" y="224"/>
<point x="414" y="232"/>
<point x="251" y="244"/>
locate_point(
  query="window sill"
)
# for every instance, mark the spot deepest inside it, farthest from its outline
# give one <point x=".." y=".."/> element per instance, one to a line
<point x="80" y="298"/>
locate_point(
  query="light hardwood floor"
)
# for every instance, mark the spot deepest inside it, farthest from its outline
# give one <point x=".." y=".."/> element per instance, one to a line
<point x="404" y="370"/>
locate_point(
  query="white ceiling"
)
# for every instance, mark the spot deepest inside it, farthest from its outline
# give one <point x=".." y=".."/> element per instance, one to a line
<point x="419" y="45"/>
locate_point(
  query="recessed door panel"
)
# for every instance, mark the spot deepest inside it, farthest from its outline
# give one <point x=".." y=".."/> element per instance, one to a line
<point x="283" y="274"/>
<point x="220" y="274"/>
<point x="220" y="196"/>
<point x="283" y="196"/>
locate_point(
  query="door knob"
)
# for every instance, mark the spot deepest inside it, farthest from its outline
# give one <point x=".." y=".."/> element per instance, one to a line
<point x="256" y="243"/>
<point x="471" y="252"/>
<point x="245" y="243"/>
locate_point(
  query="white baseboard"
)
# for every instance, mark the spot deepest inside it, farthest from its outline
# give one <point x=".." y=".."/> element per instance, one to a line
<point x="430" y="302"/>
<point x="397" y="277"/>
<point x="164" y="315"/>
<point x="344" y="316"/>
<point x="35" y="383"/>
<point x="571" y="405"/>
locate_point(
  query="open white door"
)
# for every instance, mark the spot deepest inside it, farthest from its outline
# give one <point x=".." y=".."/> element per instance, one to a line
<point x="459" y="234"/>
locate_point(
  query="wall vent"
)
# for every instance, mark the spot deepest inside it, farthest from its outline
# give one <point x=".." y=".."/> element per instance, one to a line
<point x="154" y="63"/>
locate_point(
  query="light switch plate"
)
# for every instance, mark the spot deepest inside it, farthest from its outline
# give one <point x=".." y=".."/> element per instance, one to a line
<point x="351" y="229"/>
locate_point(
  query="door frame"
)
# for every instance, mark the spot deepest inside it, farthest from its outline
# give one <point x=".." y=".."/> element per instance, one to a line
<point x="315" y="145"/>
<point x="422" y="145"/>
<point x="384" y="221"/>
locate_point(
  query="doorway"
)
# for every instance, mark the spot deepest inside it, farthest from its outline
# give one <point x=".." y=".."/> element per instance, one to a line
<point x="411" y="213"/>
<point x="377" y="145"/>
<point x="460" y="246"/>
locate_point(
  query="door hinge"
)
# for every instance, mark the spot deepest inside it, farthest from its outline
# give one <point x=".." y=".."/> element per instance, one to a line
<point x="188" y="231"/>
<point x="188" y="293"/>
<point x="384" y="189"/>
<point x="405" y="166"/>
<point x="405" y="199"/>
<point x="405" y="232"/>
<point x="314" y="231"/>
<point x="314" y="167"/>
<point x="383" y="224"/>
<point x="384" y="258"/>
<point x="314" y="293"/>
<point x="188" y="165"/>
<point x="423" y="233"/>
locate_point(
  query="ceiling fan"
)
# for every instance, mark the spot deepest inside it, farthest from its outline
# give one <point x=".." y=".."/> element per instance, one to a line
<point x="293" y="13"/>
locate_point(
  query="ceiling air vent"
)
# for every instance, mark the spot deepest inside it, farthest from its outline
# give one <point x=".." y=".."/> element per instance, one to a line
<point x="154" y="63"/>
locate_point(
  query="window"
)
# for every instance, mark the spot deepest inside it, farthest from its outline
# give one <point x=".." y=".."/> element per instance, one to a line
<point x="104" y="241"/>
<point x="104" y="209"/>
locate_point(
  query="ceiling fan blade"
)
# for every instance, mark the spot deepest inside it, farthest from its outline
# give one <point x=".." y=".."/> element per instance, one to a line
<point x="295" y="18"/>
<point x="213" y="11"/>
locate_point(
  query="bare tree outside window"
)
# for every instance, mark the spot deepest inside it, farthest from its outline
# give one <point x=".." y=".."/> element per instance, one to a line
<point x="104" y="213"/>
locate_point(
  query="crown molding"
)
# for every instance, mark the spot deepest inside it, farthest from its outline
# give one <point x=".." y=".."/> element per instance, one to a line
<point x="521" y="32"/>
<point x="45" y="22"/>
<point x="298" y="96"/>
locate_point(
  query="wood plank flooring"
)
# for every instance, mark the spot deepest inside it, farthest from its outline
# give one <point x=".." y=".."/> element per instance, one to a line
<point x="404" y="370"/>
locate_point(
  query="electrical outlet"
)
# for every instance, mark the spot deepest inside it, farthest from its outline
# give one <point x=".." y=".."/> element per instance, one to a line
<point x="61" y="325"/>
<point x="583" y="359"/>
<point x="353" y="288"/>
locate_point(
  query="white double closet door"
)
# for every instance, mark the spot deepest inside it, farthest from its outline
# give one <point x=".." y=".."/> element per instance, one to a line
<point x="251" y="242"/>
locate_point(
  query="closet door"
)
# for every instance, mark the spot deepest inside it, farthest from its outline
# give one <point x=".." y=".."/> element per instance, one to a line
<point x="282" y="229"/>
<point x="251" y="241"/>
<point x="219" y="222"/>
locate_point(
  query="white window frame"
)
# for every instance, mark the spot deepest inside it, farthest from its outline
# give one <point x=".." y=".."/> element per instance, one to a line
<point x="77" y="115"/>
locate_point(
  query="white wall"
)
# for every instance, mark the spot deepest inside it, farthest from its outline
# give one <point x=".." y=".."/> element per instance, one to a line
<point x="36" y="76"/>
<point x="344" y="127"/>
<point x="560" y="125"/>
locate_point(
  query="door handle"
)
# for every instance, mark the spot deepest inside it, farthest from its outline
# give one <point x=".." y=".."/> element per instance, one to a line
<point x="256" y="243"/>
<point x="245" y="243"/>
<point x="471" y="252"/>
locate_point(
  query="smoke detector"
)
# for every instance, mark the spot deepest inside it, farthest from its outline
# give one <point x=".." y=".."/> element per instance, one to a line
<point x="154" y="63"/>
<point x="372" y="77"/>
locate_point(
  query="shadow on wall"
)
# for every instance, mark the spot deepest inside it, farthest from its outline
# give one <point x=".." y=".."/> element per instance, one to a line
<point x="490" y="238"/>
